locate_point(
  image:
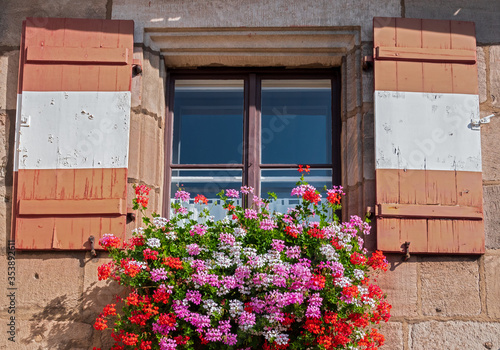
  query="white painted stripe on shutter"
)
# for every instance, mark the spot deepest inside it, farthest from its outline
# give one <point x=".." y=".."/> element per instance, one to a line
<point x="432" y="131"/>
<point x="74" y="130"/>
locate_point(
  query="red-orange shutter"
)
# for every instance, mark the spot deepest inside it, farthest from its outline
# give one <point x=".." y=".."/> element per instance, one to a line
<point x="72" y="130"/>
<point x="428" y="152"/>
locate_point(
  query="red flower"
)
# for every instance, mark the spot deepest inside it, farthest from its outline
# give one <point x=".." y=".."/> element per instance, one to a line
<point x="312" y="196"/>
<point x="378" y="261"/>
<point x="109" y="310"/>
<point x="333" y="198"/>
<point x="146" y="345"/>
<point x="142" y="192"/>
<point x="150" y="254"/>
<point x="100" y="324"/>
<point x="201" y="198"/>
<point x="129" y="338"/>
<point x="357" y="259"/>
<point x="174" y="263"/>
<point x="306" y="169"/>
<point x="104" y="271"/>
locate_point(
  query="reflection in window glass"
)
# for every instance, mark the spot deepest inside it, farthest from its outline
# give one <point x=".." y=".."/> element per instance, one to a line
<point x="207" y="183"/>
<point x="296" y="122"/>
<point x="208" y="122"/>
<point x="282" y="182"/>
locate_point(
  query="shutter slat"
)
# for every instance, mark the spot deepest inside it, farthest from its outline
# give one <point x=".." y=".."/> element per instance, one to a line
<point x="429" y="211"/>
<point x="426" y="55"/>
<point x="77" y="55"/>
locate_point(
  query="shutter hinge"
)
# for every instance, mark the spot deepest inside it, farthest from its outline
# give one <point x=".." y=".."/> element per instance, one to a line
<point x="476" y="123"/>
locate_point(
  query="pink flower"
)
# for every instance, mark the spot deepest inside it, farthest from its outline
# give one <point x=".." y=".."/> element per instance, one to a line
<point x="232" y="193"/>
<point x="250" y="214"/>
<point x="182" y="195"/>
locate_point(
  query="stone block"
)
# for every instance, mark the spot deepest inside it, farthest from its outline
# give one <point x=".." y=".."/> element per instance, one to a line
<point x="14" y="12"/>
<point x="153" y="83"/>
<point x="368" y="146"/>
<point x="434" y="335"/>
<point x="9" y="66"/>
<point x="495" y="74"/>
<point x="49" y="284"/>
<point x="354" y="201"/>
<point x="481" y="74"/>
<point x="483" y="12"/>
<point x="148" y="163"/>
<point x="97" y="294"/>
<point x="243" y="13"/>
<point x="134" y="145"/>
<point x="491" y="207"/>
<point x="492" y="268"/>
<point x="448" y="284"/>
<point x="393" y="333"/>
<point x="7" y="126"/>
<point x="490" y="144"/>
<point x="51" y="334"/>
<point x="400" y="284"/>
<point x="352" y="82"/>
<point x="136" y="87"/>
<point x="353" y="151"/>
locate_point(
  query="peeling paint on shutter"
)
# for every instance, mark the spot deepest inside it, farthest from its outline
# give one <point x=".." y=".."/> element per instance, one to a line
<point x="72" y="132"/>
<point x="428" y="158"/>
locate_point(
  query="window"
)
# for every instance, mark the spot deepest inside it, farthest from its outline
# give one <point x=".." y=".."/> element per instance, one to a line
<point x="228" y="129"/>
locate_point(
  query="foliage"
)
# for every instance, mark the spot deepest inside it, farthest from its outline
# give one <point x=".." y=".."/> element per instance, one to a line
<point x="255" y="279"/>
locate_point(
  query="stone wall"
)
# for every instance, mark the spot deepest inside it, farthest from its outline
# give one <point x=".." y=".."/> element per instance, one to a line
<point x="439" y="302"/>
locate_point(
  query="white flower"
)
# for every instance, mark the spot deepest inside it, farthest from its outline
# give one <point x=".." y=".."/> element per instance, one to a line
<point x="171" y="235"/>
<point x="153" y="242"/>
<point x="359" y="274"/>
<point x="329" y="252"/>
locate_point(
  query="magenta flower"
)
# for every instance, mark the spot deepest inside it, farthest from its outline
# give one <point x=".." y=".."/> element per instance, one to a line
<point x="182" y="195"/>
<point x="251" y="214"/>
<point x="232" y="193"/>
<point x="198" y="229"/>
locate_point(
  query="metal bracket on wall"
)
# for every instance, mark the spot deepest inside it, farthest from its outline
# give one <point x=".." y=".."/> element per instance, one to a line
<point x="93" y="253"/>
<point x="406" y="250"/>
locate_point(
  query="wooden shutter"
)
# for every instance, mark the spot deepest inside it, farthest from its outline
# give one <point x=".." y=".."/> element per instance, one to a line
<point x="428" y="155"/>
<point x="72" y="132"/>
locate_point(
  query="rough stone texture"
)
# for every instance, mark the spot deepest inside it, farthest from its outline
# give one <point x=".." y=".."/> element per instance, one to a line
<point x="97" y="294"/>
<point x="448" y="284"/>
<point x="368" y="146"/>
<point x="7" y="124"/>
<point x="51" y="284"/>
<point x="490" y="144"/>
<point x="351" y="88"/>
<point x="261" y="13"/>
<point x="492" y="268"/>
<point x="38" y="334"/>
<point x="393" y="333"/>
<point x="484" y="12"/>
<point x="14" y="12"/>
<point x="150" y="145"/>
<point x="491" y="198"/>
<point x="354" y="202"/>
<point x="454" y="335"/>
<point x="9" y="65"/>
<point x="136" y="87"/>
<point x="481" y="74"/>
<point x="353" y="151"/>
<point x="134" y="152"/>
<point x="495" y="74"/>
<point x="400" y="284"/>
<point x="153" y="83"/>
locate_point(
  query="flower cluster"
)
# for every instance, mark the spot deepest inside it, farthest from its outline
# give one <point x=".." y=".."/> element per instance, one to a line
<point x="255" y="279"/>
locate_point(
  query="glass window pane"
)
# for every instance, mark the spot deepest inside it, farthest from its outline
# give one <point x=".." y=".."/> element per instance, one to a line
<point x="296" y="122"/>
<point x="207" y="183"/>
<point x="208" y="122"/>
<point x="282" y="182"/>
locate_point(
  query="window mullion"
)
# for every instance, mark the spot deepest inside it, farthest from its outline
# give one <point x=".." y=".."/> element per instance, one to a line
<point x="253" y="151"/>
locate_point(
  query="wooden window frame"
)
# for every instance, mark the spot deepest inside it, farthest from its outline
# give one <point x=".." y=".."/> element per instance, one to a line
<point x="251" y="166"/>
